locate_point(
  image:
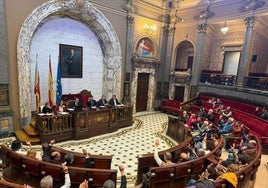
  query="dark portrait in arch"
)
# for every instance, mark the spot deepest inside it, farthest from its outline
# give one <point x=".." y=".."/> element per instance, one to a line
<point x="71" y="61"/>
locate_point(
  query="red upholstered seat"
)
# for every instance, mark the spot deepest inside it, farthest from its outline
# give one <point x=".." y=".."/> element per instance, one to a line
<point x="170" y="106"/>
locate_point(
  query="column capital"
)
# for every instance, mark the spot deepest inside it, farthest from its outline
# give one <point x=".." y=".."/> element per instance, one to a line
<point x="172" y="30"/>
<point x="250" y="21"/>
<point x="129" y="7"/>
<point x="130" y="20"/>
<point x="202" y="28"/>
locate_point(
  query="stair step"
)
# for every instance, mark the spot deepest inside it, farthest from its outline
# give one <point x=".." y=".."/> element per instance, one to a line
<point x="23" y="137"/>
<point x="30" y="130"/>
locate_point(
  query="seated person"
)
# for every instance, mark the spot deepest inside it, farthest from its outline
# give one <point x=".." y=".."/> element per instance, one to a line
<point x="103" y="101"/>
<point x="89" y="162"/>
<point x="48" y="156"/>
<point x="47" y="108"/>
<point x="210" y="115"/>
<point x="69" y="159"/>
<point x="91" y="103"/>
<point x="77" y="104"/>
<point x="47" y="181"/>
<point x="114" y="101"/>
<point x="227" y="112"/>
<point x="184" y="117"/>
<point x="60" y="107"/>
<point x="263" y="113"/>
<point x="167" y="156"/>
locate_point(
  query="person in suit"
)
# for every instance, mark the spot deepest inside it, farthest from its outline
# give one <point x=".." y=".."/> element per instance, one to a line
<point x="77" y="104"/>
<point x="114" y="101"/>
<point x="47" y="108"/>
<point x="91" y="103"/>
<point x="73" y="63"/>
<point x="103" y="101"/>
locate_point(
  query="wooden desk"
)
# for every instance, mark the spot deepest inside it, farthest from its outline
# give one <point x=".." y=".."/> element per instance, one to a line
<point x="83" y="123"/>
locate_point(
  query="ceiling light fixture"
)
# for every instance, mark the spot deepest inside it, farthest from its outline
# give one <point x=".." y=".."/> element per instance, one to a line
<point x="224" y="29"/>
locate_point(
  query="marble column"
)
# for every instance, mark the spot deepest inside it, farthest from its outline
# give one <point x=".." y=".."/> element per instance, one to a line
<point x="129" y="50"/>
<point x="3" y="46"/>
<point x="245" y="53"/>
<point x="129" y="42"/>
<point x="163" y="75"/>
<point x="198" y="57"/>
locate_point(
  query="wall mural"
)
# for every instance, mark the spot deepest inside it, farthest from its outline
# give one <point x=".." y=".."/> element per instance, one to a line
<point x="145" y="47"/>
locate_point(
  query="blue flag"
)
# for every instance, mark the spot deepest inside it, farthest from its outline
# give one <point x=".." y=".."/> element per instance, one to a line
<point x="59" y="87"/>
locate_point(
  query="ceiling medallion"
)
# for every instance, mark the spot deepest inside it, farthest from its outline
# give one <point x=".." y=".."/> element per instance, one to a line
<point x="250" y="5"/>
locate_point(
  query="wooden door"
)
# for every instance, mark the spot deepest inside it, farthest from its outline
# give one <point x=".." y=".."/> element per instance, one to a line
<point x="142" y="92"/>
<point x="179" y="93"/>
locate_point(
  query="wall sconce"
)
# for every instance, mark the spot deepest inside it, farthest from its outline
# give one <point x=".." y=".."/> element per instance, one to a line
<point x="224" y="29"/>
<point x="149" y="28"/>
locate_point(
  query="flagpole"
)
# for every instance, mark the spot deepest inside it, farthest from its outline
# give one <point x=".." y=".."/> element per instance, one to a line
<point x="37" y="87"/>
<point x="50" y="84"/>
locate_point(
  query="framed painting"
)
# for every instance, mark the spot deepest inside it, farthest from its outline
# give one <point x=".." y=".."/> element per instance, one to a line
<point x="71" y="61"/>
<point x="145" y="47"/>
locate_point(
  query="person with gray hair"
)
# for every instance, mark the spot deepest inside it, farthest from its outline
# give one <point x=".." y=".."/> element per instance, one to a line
<point x="167" y="156"/>
<point x="47" y="181"/>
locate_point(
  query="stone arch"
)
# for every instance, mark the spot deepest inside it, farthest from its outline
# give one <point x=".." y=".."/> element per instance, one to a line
<point x="84" y="12"/>
<point x="179" y="51"/>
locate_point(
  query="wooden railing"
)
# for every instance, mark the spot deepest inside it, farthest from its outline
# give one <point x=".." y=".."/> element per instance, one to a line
<point x="260" y="83"/>
<point x="82" y="124"/>
<point x="146" y="161"/>
<point x="98" y="161"/>
<point x="20" y="167"/>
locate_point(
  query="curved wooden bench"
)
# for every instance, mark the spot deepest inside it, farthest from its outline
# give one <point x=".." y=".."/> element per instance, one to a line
<point x="21" y="167"/>
<point x="146" y="161"/>
<point x="98" y="161"/>
<point x="246" y="176"/>
<point x="179" y="174"/>
<point x="7" y="184"/>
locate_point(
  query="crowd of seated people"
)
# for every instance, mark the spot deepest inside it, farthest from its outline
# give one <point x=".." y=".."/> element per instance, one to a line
<point x="54" y="157"/>
<point x="237" y="141"/>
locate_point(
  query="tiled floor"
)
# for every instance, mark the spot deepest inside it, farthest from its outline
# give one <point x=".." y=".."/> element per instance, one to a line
<point x="126" y="144"/>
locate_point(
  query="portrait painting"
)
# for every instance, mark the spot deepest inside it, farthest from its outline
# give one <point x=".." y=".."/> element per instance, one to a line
<point x="145" y="47"/>
<point x="71" y="61"/>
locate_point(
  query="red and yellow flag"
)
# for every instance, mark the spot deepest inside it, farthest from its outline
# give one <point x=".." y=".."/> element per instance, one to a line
<point x="50" y="85"/>
<point x="37" y="88"/>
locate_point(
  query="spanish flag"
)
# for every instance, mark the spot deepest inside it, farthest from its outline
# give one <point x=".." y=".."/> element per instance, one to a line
<point x="50" y="85"/>
<point x="37" y="88"/>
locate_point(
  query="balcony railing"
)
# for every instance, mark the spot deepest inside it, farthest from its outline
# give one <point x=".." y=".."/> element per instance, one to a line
<point x="260" y="83"/>
<point x="220" y="79"/>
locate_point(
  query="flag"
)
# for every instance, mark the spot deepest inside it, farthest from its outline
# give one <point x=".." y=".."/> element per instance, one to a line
<point x="37" y="88"/>
<point x="50" y="84"/>
<point x="59" y="87"/>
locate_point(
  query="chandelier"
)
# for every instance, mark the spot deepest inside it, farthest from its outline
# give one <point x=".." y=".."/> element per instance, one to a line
<point x="224" y="29"/>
